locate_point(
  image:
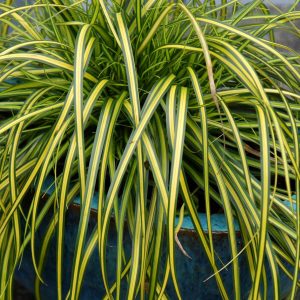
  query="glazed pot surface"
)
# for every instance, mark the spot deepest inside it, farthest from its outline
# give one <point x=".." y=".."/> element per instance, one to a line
<point x="192" y="272"/>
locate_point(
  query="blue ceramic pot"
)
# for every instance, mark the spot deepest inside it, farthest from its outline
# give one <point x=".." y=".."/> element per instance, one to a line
<point x="192" y="273"/>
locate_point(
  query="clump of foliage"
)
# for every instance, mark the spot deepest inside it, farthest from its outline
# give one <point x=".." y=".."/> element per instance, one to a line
<point x="154" y="104"/>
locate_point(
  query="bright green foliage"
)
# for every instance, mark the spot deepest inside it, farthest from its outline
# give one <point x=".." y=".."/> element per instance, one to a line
<point x="149" y="102"/>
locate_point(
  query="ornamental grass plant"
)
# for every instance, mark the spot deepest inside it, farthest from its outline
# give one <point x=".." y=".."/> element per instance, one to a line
<point x="164" y="109"/>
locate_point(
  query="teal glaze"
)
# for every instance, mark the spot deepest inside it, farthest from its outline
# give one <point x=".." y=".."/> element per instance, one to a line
<point x="218" y="221"/>
<point x="191" y="272"/>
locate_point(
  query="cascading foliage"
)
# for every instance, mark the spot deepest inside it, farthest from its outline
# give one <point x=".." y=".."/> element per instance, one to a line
<point x="157" y="105"/>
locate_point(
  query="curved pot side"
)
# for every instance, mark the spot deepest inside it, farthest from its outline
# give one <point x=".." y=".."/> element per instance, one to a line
<point x="191" y="273"/>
